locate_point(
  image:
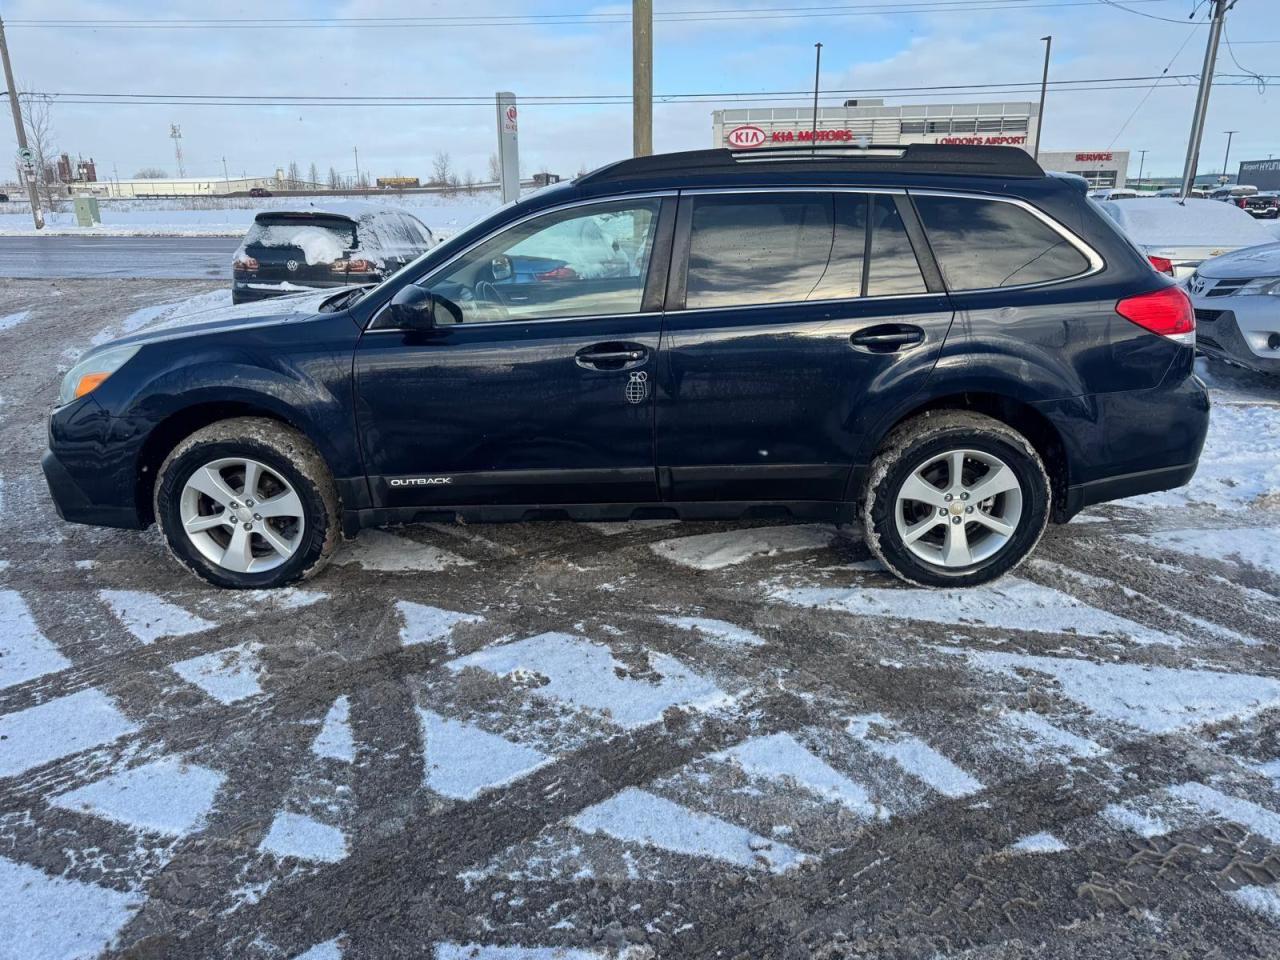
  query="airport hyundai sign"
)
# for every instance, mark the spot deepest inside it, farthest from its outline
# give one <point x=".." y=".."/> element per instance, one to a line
<point x="1263" y="174"/>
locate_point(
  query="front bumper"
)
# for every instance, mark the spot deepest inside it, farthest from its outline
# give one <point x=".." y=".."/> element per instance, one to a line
<point x="75" y="506"/>
<point x="1237" y="329"/>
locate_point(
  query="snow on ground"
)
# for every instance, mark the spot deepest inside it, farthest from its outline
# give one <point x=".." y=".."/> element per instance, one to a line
<point x="166" y="795"/>
<point x="231" y="217"/>
<point x="149" y="618"/>
<point x="297" y="835"/>
<point x="57" y="728"/>
<point x="713" y="551"/>
<point x="462" y="760"/>
<point x="1011" y="604"/>
<point x="1151" y="698"/>
<point x="586" y="675"/>
<point x="913" y="755"/>
<point x="718" y="631"/>
<point x="49" y="918"/>
<point x="226" y="675"/>
<point x="25" y="652"/>
<point x="13" y="319"/>
<point x="1039" y="843"/>
<point x="637" y="816"/>
<point x="389" y="552"/>
<point x="427" y="624"/>
<point x="780" y="756"/>
<point x="1142" y="823"/>
<point x="1215" y="803"/>
<point x="1256" y="546"/>
<point x="335" y="739"/>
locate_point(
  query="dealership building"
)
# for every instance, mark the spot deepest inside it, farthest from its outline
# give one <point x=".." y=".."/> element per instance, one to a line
<point x="866" y="121"/>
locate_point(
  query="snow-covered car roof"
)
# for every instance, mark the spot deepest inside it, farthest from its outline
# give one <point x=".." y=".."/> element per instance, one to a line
<point x="1170" y="222"/>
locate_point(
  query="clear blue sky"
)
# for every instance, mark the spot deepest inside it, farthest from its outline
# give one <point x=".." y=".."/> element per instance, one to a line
<point x="757" y="51"/>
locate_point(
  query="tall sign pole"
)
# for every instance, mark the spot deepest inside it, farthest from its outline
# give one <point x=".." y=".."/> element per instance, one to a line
<point x="641" y="77"/>
<point x="1227" y="157"/>
<point x="1202" y="95"/>
<point x="508" y="146"/>
<point x="817" y="71"/>
<point x="1044" y="88"/>
<point x="26" y="157"/>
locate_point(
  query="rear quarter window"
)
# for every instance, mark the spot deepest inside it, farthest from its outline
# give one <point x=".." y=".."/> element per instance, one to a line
<point x="985" y="244"/>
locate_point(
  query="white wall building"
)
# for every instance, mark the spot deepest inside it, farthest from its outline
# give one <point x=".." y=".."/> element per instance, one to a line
<point x="177" y="187"/>
<point x="870" y="121"/>
<point x="1102" y="168"/>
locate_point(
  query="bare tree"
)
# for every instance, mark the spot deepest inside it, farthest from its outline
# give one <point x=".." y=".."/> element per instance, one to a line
<point x="583" y="171"/>
<point x="335" y="181"/>
<point x="495" y="168"/>
<point x="37" y="117"/>
<point x="441" y="169"/>
<point x="313" y="177"/>
<point x="151" y="173"/>
<point x="294" y="175"/>
<point x="469" y="181"/>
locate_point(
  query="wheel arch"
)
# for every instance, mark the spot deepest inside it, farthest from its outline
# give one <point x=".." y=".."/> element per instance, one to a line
<point x="1021" y="416"/>
<point x="181" y="423"/>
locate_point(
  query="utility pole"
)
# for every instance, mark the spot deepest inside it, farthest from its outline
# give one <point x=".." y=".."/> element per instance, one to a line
<point x="226" y="176"/>
<point x="24" y="153"/>
<point x="1220" y="8"/>
<point x="817" y="67"/>
<point x="641" y="77"/>
<point x="175" y="134"/>
<point x="1044" y="88"/>
<point x="1142" y="162"/>
<point x="356" y="151"/>
<point x="1230" y="134"/>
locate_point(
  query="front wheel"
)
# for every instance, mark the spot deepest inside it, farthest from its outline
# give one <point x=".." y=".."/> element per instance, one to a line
<point x="248" y="503"/>
<point x="955" y="499"/>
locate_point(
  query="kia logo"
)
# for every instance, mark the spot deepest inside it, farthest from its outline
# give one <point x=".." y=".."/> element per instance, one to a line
<point x="746" y="136"/>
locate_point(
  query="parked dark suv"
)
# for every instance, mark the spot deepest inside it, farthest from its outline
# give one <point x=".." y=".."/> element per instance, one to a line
<point x="943" y="342"/>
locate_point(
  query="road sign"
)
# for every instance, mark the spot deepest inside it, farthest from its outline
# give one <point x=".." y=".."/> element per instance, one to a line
<point x="26" y="156"/>
<point x="508" y="146"/>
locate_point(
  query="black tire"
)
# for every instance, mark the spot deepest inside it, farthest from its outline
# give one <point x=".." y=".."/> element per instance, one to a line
<point x="284" y="451"/>
<point x="928" y="436"/>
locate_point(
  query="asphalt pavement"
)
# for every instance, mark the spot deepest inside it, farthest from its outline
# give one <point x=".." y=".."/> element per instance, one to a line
<point x="645" y="741"/>
<point x="163" y="258"/>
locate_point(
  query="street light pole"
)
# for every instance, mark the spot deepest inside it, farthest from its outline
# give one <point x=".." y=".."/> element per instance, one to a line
<point x="37" y="215"/>
<point x="356" y="151"/>
<point x="1142" y="163"/>
<point x="817" y="67"/>
<point x="1202" y="95"/>
<point x="1227" y="157"/>
<point x="1044" y="88"/>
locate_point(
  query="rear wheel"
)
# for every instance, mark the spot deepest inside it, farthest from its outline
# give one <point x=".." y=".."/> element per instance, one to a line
<point x="955" y="499"/>
<point x="248" y="503"/>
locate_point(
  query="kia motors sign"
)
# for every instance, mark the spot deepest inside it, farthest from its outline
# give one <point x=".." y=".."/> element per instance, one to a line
<point x="746" y="136"/>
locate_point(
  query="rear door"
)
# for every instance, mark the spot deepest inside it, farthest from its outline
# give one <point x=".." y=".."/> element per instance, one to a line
<point x="793" y="316"/>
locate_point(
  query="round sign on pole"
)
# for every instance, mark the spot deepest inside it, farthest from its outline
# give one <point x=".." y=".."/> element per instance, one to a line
<point x="26" y="155"/>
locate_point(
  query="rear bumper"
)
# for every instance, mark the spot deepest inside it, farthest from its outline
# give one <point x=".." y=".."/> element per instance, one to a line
<point x="1129" y="443"/>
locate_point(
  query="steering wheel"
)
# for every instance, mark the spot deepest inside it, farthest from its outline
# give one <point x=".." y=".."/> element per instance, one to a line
<point x="489" y="299"/>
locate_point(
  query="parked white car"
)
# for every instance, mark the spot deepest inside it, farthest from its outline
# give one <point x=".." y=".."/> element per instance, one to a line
<point x="1237" y="301"/>
<point x="1178" y="235"/>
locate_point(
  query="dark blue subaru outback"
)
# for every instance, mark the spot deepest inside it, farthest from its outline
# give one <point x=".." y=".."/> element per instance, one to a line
<point x="944" y="342"/>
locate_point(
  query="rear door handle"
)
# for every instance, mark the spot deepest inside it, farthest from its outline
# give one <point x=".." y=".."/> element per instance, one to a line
<point x="611" y="356"/>
<point x="887" y="338"/>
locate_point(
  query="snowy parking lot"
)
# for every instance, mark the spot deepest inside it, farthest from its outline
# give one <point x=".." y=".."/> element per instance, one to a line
<point x="646" y="740"/>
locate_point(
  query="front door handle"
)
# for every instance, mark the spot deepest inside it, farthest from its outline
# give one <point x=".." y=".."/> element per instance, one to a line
<point x="887" y="338"/>
<point x="611" y="356"/>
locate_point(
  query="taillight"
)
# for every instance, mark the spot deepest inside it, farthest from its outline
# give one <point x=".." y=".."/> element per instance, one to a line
<point x="559" y="273"/>
<point x="1162" y="264"/>
<point x="243" y="262"/>
<point x="1242" y="203"/>
<point x="353" y="266"/>
<point x="1166" y="312"/>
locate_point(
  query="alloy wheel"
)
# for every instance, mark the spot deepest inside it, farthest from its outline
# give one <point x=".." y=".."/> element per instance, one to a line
<point x="242" y="515"/>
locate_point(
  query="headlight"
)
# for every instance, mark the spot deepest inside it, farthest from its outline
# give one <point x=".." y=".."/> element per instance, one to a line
<point x="87" y="375"/>
<point x="1268" y="286"/>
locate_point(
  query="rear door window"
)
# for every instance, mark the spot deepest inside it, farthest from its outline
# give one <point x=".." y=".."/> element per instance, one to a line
<point x="985" y="244"/>
<point x="751" y="249"/>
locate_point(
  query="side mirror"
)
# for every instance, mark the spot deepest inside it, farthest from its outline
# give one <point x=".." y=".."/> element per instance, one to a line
<point x="501" y="267"/>
<point x="413" y="308"/>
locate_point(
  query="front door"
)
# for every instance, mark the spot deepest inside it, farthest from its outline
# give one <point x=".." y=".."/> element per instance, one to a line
<point x="793" y="317"/>
<point x="536" y="385"/>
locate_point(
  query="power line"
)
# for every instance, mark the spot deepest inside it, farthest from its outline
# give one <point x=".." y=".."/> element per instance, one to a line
<point x="1141" y="103"/>
<point x="1142" y="13"/>
<point x="678" y="16"/>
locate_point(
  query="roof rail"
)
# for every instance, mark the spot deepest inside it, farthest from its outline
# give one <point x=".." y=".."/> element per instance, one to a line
<point x="931" y="158"/>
